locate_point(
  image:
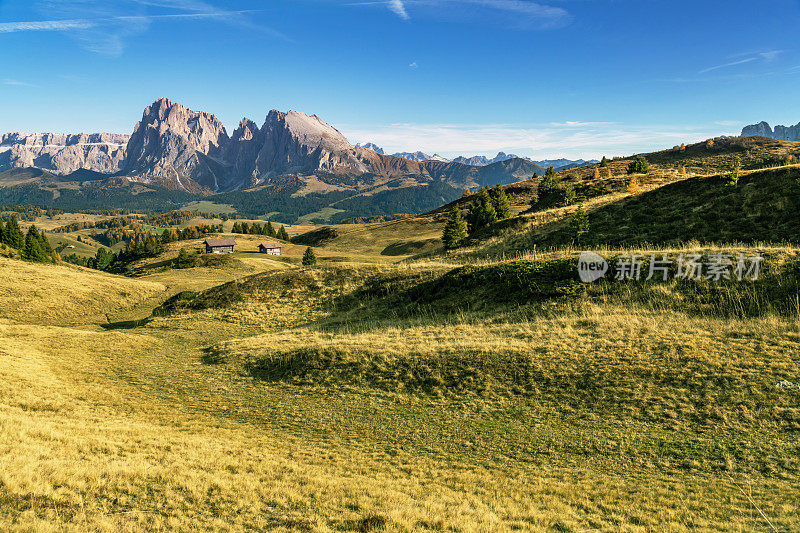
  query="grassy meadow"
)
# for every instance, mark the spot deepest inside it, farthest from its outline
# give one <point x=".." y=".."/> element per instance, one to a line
<point x="396" y="386"/>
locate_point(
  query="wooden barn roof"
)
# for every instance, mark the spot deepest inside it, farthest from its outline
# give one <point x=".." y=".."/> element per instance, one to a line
<point x="220" y="242"/>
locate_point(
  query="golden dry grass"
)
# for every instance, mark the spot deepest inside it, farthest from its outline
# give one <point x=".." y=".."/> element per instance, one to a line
<point x="65" y="294"/>
<point x="128" y="430"/>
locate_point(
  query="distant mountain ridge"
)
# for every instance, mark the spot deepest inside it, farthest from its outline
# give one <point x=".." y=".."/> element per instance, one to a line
<point x="177" y="148"/>
<point x="481" y="160"/>
<point x="781" y="133"/>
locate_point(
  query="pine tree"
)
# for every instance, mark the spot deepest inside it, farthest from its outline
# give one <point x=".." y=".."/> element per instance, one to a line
<point x="639" y="166"/>
<point x="500" y="203"/>
<point x="455" y="231"/>
<point x="183" y="260"/>
<point x="32" y="249"/>
<point x="733" y="176"/>
<point x="269" y="230"/>
<point x="45" y="244"/>
<point x="13" y="234"/>
<point x="481" y="212"/>
<point x="2" y="232"/>
<point x="579" y="225"/>
<point x="284" y="236"/>
<point x="309" y="257"/>
<point x="568" y="195"/>
<point x="237" y="228"/>
<point x="104" y="259"/>
<point x="604" y="162"/>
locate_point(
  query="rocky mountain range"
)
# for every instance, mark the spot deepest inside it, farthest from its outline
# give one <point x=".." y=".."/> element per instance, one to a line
<point x="177" y="148"/>
<point x="781" y="133"/>
<point x="481" y="160"/>
<point x="61" y="153"/>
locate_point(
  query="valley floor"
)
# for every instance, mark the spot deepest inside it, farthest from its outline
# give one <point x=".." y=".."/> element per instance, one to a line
<point x="295" y="409"/>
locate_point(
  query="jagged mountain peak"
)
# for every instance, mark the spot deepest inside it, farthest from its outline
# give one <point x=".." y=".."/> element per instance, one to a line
<point x="309" y="130"/>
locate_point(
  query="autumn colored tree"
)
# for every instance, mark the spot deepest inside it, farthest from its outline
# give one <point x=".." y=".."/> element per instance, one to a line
<point x="634" y="187"/>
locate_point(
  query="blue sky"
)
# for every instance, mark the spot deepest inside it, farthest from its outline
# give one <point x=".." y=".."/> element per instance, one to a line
<point x="575" y="78"/>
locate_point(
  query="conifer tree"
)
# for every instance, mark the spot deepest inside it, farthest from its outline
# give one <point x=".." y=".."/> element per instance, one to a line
<point x="500" y="203"/>
<point x="237" y="228"/>
<point x="481" y="212"/>
<point x="455" y="231"/>
<point x="604" y="162"/>
<point x="32" y="250"/>
<point x="270" y="231"/>
<point x="309" y="257"/>
<point x="13" y="234"/>
<point x="579" y="225"/>
<point x="283" y="235"/>
<point x="183" y="260"/>
<point x="2" y="231"/>
<point x="567" y="195"/>
<point x="639" y="166"/>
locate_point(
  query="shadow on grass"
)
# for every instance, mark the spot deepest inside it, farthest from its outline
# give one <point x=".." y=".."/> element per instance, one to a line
<point x="126" y="324"/>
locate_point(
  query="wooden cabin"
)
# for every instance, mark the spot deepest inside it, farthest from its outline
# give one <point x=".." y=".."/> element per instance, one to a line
<point x="220" y="246"/>
<point x="271" y="248"/>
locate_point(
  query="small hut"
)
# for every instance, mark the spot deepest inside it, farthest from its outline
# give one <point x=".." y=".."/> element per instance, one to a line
<point x="220" y="246"/>
<point x="271" y="248"/>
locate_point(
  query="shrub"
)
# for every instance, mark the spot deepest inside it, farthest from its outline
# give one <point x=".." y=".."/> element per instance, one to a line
<point x="639" y="166"/>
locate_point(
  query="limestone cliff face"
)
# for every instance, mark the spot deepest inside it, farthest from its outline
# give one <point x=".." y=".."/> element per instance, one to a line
<point x="61" y="153"/>
<point x="781" y="133"/>
<point x="297" y="143"/>
<point x="176" y="147"/>
<point x="241" y="153"/>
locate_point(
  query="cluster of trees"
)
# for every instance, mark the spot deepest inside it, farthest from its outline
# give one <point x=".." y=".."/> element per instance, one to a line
<point x="488" y="206"/>
<point x="117" y="222"/>
<point x="260" y="229"/>
<point x="551" y="193"/>
<point x="32" y="245"/>
<point x="187" y="234"/>
<point x="29" y="213"/>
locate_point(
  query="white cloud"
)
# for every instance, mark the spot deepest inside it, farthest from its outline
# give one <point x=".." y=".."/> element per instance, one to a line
<point x="512" y="13"/>
<point x="766" y="56"/>
<point x="398" y="8"/>
<point x="589" y="140"/>
<point x="102" y="27"/>
<point x="413" y="65"/>
<point x="17" y="83"/>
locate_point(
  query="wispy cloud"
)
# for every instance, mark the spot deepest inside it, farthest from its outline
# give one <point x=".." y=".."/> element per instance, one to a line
<point x="17" y="83"/>
<point x="398" y="8"/>
<point x="102" y="27"/>
<point x="515" y="13"/>
<point x="540" y="141"/>
<point x="766" y="56"/>
<point x="413" y="65"/>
